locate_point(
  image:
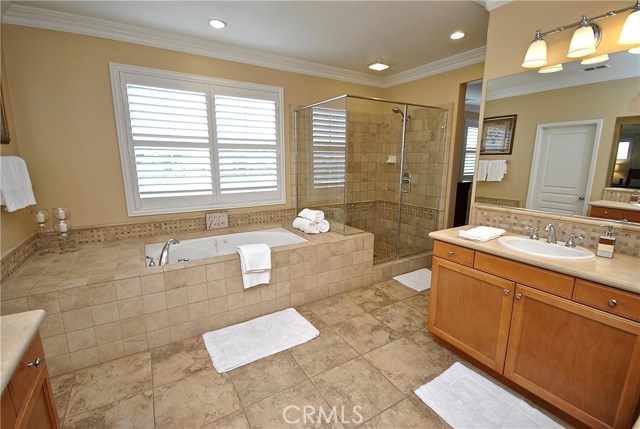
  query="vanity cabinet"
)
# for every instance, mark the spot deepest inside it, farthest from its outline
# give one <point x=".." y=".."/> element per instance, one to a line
<point x="616" y="214"/>
<point x="27" y="401"/>
<point x="554" y="335"/>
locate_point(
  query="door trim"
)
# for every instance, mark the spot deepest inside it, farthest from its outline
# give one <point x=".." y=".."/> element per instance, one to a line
<point x="538" y="148"/>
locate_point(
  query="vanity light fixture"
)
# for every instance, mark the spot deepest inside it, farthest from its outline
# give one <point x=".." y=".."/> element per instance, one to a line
<point x="586" y="37"/>
<point x="457" y="35"/>
<point x="551" y="69"/>
<point x="379" y="65"/>
<point x="217" y="23"/>
<point x="595" y="60"/>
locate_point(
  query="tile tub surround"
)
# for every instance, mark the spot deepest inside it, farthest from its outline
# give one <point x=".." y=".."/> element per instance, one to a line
<point x="627" y="235"/>
<point x="102" y="303"/>
<point x="98" y="234"/>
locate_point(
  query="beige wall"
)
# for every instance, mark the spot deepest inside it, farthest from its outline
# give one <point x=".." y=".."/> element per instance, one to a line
<point x="605" y="100"/>
<point x="64" y="121"/>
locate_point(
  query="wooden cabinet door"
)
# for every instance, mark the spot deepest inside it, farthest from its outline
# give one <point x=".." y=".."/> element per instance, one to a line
<point x="471" y="310"/>
<point x="582" y="360"/>
<point x="40" y="410"/>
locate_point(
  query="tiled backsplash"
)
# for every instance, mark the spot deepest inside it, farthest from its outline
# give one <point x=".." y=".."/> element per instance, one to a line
<point x="515" y="220"/>
<point x="618" y="194"/>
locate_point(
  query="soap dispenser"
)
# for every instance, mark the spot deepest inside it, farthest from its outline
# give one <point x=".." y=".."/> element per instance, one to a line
<point x="606" y="243"/>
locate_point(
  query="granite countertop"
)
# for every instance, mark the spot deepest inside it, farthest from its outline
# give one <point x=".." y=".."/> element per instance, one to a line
<point x="621" y="272"/>
<point x="16" y="332"/>
<point x="615" y="205"/>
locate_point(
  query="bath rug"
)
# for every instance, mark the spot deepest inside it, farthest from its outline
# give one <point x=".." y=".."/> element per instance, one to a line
<point x="465" y="399"/>
<point x="247" y="342"/>
<point x="417" y="280"/>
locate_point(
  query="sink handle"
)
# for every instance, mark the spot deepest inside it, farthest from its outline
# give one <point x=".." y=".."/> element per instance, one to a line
<point x="571" y="240"/>
<point x="534" y="232"/>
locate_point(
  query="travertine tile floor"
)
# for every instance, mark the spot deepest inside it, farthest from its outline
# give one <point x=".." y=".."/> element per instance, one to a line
<point x="373" y="352"/>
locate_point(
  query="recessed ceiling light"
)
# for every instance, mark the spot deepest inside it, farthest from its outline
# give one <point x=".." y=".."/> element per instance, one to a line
<point x="217" y="23"/>
<point x="457" y="35"/>
<point x="595" y="60"/>
<point x="379" y="65"/>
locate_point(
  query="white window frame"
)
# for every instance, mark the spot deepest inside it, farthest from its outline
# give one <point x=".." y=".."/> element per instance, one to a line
<point x="468" y="123"/>
<point x="121" y="74"/>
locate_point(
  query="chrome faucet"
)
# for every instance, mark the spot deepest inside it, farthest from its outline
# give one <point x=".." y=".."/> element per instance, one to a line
<point x="164" y="255"/>
<point x="571" y="240"/>
<point x="551" y="238"/>
<point x="534" y="232"/>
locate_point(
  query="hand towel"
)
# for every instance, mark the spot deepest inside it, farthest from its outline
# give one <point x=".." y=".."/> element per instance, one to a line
<point x="312" y="215"/>
<point x="323" y="226"/>
<point x="496" y="170"/>
<point x="305" y="225"/>
<point x="481" y="233"/>
<point x="255" y="264"/>
<point x="15" y="185"/>
<point x="483" y="168"/>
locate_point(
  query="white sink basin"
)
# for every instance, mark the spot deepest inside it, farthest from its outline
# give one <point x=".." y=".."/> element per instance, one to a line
<point x="543" y="249"/>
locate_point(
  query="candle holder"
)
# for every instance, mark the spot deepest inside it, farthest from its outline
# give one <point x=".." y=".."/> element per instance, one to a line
<point x="41" y="217"/>
<point x="60" y="213"/>
<point x="63" y="227"/>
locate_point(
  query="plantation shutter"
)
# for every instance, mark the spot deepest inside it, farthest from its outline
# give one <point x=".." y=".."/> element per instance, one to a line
<point x="329" y="135"/>
<point x="171" y="144"/>
<point x="469" y="154"/>
<point x="246" y="145"/>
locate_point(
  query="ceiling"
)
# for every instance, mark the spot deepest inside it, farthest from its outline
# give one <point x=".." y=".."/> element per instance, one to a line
<point x="339" y="37"/>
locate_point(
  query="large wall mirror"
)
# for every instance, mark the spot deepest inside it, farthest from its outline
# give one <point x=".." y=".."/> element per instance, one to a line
<point x="566" y="143"/>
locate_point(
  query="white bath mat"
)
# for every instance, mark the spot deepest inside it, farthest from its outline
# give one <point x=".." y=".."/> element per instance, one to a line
<point x="465" y="399"/>
<point x="417" y="280"/>
<point x="246" y="342"/>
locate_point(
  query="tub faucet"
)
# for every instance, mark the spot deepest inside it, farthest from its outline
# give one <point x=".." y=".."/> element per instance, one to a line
<point x="551" y="238"/>
<point x="164" y="255"/>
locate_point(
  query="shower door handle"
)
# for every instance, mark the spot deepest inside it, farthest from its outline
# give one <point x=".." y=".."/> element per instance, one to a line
<point x="406" y="179"/>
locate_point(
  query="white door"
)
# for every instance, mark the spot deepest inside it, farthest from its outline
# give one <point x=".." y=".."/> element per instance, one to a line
<point x="562" y="167"/>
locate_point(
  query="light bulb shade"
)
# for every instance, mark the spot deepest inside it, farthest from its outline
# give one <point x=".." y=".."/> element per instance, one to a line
<point x="583" y="42"/>
<point x="536" y="55"/>
<point x="635" y="50"/>
<point x="551" y="69"/>
<point x="630" y="34"/>
<point x="595" y="60"/>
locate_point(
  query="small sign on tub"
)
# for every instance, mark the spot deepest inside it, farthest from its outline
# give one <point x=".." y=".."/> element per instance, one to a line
<point x="216" y="220"/>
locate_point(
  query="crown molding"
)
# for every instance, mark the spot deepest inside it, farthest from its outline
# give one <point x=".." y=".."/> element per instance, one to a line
<point x="29" y="16"/>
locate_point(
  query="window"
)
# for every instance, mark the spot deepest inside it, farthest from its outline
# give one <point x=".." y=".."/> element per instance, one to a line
<point x="469" y="150"/>
<point x="623" y="154"/>
<point x="193" y="143"/>
<point x="329" y="134"/>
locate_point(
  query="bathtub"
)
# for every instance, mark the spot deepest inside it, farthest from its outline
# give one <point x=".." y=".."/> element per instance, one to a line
<point x="207" y="247"/>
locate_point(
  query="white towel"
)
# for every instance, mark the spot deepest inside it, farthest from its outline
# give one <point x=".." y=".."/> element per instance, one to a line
<point x="15" y="186"/>
<point x="483" y="168"/>
<point x="305" y="225"/>
<point x="496" y="170"/>
<point x="481" y="233"/>
<point x="312" y="215"/>
<point x="255" y="264"/>
<point x="323" y="226"/>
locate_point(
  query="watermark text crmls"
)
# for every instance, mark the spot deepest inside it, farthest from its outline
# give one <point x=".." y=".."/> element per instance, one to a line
<point x="307" y="414"/>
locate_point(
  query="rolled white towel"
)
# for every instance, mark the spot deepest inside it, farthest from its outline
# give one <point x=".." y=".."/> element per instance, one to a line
<point x="312" y="215"/>
<point x="323" y="226"/>
<point x="305" y="225"/>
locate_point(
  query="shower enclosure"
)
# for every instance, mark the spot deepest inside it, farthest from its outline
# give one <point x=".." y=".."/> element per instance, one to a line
<point x="374" y="165"/>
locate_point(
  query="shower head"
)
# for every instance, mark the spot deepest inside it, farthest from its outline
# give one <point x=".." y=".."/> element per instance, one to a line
<point x="396" y="110"/>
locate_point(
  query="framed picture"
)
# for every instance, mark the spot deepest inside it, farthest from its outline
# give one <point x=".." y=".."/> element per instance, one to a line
<point x="4" y="131"/>
<point x="497" y="135"/>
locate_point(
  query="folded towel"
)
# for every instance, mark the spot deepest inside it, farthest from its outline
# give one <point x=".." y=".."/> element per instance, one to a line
<point x="312" y="215"/>
<point x="15" y="185"/>
<point x="483" y="168"/>
<point x="323" y="226"/>
<point x="255" y="264"/>
<point x="305" y="225"/>
<point x="496" y="170"/>
<point x="481" y="233"/>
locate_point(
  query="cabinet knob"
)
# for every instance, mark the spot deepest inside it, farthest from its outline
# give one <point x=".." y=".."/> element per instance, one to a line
<point x="35" y="364"/>
<point x="613" y="302"/>
<point x="518" y="295"/>
<point x="450" y="253"/>
<point x="507" y="291"/>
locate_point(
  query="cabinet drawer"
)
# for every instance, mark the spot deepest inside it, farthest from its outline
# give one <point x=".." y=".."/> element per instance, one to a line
<point x="557" y="284"/>
<point x="609" y="299"/>
<point x="605" y="212"/>
<point x="451" y="252"/>
<point x="632" y="215"/>
<point x="24" y="377"/>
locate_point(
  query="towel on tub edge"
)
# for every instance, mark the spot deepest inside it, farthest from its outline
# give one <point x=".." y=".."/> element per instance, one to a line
<point x="312" y="215"/>
<point x="255" y="264"/>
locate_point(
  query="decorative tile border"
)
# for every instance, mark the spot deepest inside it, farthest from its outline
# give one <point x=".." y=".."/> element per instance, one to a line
<point x="18" y="255"/>
<point x="498" y="202"/>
